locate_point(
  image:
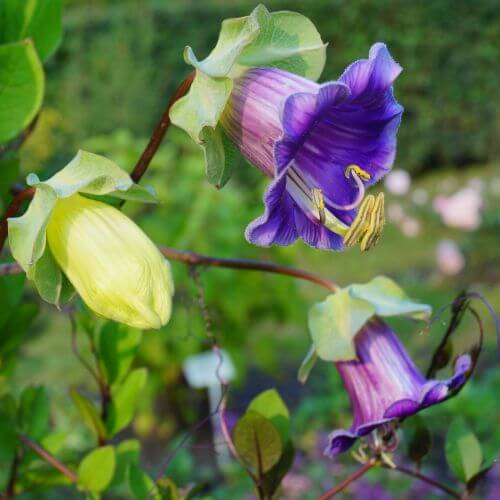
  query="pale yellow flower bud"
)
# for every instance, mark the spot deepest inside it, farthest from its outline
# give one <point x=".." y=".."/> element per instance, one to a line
<point x="113" y="265"/>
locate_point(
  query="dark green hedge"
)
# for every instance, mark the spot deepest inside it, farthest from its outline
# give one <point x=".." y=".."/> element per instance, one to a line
<point x="119" y="61"/>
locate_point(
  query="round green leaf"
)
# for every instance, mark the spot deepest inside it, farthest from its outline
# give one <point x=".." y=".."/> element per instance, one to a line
<point x="258" y="442"/>
<point x="124" y="401"/>
<point x="22" y="84"/>
<point x="270" y="405"/>
<point x="97" y="469"/>
<point x="40" y="20"/>
<point x="463" y="451"/>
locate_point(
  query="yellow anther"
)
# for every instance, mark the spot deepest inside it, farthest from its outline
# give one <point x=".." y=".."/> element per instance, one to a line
<point x="356" y="169"/>
<point x="358" y="226"/>
<point x="319" y="203"/>
<point x="368" y="224"/>
<point x="375" y="224"/>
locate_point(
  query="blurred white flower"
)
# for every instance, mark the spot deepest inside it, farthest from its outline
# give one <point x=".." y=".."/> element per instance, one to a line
<point x="410" y="227"/>
<point x="476" y="183"/>
<point x="398" y="182"/>
<point x="450" y="259"/>
<point x="395" y="212"/>
<point x="420" y="196"/>
<point x="461" y="210"/>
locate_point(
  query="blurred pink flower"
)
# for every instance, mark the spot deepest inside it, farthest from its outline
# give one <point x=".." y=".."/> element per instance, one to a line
<point x="450" y="259"/>
<point x="395" y="212"/>
<point x="410" y="227"/>
<point x="398" y="182"/>
<point x="461" y="210"/>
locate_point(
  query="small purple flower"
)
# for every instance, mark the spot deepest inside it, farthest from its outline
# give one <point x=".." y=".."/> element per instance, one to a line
<point x="322" y="145"/>
<point x="384" y="384"/>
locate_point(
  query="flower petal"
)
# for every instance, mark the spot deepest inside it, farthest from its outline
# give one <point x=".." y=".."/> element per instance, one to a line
<point x="369" y="78"/>
<point x="315" y="234"/>
<point x="276" y="226"/>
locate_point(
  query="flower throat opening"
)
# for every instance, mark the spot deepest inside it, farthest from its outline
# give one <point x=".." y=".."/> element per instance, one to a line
<point x="369" y="222"/>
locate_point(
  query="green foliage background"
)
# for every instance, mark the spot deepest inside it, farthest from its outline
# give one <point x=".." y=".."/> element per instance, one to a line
<point x="106" y="88"/>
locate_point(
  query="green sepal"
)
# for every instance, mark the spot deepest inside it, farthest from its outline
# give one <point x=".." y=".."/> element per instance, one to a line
<point x="285" y="40"/>
<point x="87" y="173"/>
<point x="334" y="323"/>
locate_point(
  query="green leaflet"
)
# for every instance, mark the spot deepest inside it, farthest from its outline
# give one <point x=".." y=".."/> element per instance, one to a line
<point x="285" y="40"/>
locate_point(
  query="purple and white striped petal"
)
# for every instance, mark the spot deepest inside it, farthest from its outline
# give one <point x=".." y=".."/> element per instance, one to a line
<point x="384" y="384"/>
<point x="310" y="133"/>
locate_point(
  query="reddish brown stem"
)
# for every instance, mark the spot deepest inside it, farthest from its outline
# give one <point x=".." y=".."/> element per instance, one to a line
<point x="436" y="484"/>
<point x="348" y="480"/>
<point x="160" y="130"/>
<point x="196" y="259"/>
<point x="50" y="459"/>
<point x="137" y="173"/>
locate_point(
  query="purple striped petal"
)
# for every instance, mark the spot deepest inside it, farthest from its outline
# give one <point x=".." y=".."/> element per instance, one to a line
<point x="281" y="121"/>
<point x="384" y="384"/>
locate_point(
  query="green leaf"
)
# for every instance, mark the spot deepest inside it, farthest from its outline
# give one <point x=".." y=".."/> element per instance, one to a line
<point x="117" y="346"/>
<point x="463" y="451"/>
<point x="168" y="489"/>
<point x="9" y="171"/>
<point x="141" y="485"/>
<point x="21" y="87"/>
<point x="389" y="299"/>
<point x="270" y="405"/>
<point x="334" y="323"/>
<point x="418" y="437"/>
<point x="127" y="452"/>
<point x="13" y="332"/>
<point x="258" y="442"/>
<point x="124" y="401"/>
<point x="89" y="414"/>
<point x="474" y="480"/>
<point x="11" y="289"/>
<point x="273" y="478"/>
<point x="96" y="469"/>
<point x="8" y="444"/>
<point x="307" y="365"/>
<point x="34" y="412"/>
<point x="40" y="20"/>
